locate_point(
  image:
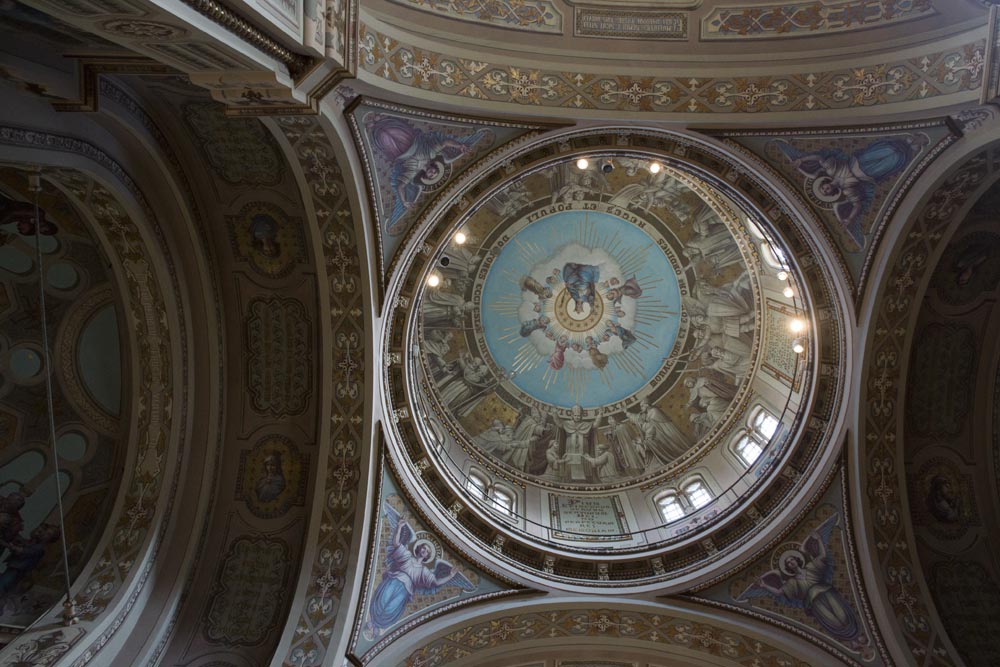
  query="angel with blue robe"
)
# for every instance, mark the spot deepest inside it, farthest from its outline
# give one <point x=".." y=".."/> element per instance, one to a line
<point x="846" y="183"/>
<point x="804" y="579"/>
<point x="411" y="567"/>
<point x="418" y="159"/>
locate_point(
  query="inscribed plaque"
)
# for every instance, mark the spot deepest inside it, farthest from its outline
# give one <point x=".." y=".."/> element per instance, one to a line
<point x="630" y="23"/>
<point x="588" y="519"/>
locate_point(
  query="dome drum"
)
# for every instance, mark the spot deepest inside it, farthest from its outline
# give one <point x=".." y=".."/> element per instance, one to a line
<point x="604" y="343"/>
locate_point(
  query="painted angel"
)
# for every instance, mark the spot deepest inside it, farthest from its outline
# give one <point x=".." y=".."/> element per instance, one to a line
<point x="845" y="183"/>
<point x="804" y="579"/>
<point x="418" y="159"/>
<point x="408" y="571"/>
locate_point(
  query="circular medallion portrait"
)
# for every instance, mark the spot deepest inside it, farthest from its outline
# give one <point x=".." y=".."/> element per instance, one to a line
<point x="591" y="329"/>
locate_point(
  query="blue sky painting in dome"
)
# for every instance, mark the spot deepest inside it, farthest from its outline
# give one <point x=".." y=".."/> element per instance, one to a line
<point x="580" y="307"/>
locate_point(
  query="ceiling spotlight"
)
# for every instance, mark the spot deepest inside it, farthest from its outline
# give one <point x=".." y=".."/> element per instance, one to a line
<point x="654" y="167"/>
<point x="797" y="325"/>
<point x="460" y="238"/>
<point x="782" y="275"/>
<point x="798" y="346"/>
<point x="582" y="163"/>
<point x="433" y="280"/>
<point x="788" y="292"/>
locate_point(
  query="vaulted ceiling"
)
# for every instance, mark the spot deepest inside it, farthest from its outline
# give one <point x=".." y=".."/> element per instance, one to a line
<point x="528" y="333"/>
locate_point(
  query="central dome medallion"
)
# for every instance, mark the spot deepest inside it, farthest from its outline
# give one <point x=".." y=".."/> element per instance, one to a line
<point x="595" y="329"/>
<point x="580" y="308"/>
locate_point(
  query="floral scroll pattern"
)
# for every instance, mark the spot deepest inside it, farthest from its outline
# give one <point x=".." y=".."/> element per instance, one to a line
<point x="342" y="467"/>
<point x="939" y="74"/>
<point x="529" y="15"/>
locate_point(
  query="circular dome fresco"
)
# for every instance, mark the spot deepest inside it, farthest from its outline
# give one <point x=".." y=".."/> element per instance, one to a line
<point x="608" y="352"/>
<point x="595" y="329"/>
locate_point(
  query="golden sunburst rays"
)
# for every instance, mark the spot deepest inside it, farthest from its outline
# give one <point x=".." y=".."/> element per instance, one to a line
<point x="632" y="259"/>
<point x="651" y="313"/>
<point x="527" y="358"/>
<point x="510" y="334"/>
<point x="508" y="305"/>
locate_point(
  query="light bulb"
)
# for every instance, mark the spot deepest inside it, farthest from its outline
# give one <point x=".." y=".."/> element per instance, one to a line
<point x="654" y="167"/>
<point x="782" y="275"/>
<point x="582" y="163"/>
<point x="788" y="292"/>
<point x="460" y="238"/>
<point x="798" y="347"/>
<point x="433" y="280"/>
<point x="796" y="325"/>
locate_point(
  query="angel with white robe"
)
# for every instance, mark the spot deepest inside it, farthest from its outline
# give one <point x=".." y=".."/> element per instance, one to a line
<point x="804" y="579"/>
<point x="411" y="567"/>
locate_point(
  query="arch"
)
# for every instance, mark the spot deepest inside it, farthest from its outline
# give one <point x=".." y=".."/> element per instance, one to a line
<point x="915" y="238"/>
<point x="580" y="625"/>
<point x="142" y="255"/>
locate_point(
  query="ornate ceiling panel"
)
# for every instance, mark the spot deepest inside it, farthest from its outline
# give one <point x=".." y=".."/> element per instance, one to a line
<point x="881" y="438"/>
<point x="950" y="483"/>
<point x="413" y="575"/>
<point x="808" y="582"/>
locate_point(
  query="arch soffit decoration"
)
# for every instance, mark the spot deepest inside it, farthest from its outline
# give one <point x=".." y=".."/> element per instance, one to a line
<point x="915" y="239"/>
<point x="664" y="629"/>
<point x="322" y="607"/>
<point x="830" y="297"/>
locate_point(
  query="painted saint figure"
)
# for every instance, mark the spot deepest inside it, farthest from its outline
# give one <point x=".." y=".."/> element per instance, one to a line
<point x="24" y="555"/>
<point x="603" y="463"/>
<point x="626" y="336"/>
<point x="577" y="441"/>
<point x="264" y="235"/>
<point x="558" y="356"/>
<point x="540" y="323"/>
<point x="804" y="579"/>
<point x="629" y="288"/>
<point x="272" y="482"/>
<point x="581" y="281"/>
<point x="408" y="570"/>
<point x="661" y="440"/>
<point x="418" y="159"/>
<point x="529" y="284"/>
<point x="942" y="502"/>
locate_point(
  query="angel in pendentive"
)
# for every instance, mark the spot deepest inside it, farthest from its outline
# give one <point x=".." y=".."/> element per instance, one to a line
<point x="804" y="579"/>
<point x="411" y="567"/>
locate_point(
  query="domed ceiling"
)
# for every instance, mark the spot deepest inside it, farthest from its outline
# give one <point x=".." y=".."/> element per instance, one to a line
<point x="608" y="350"/>
<point x="593" y="328"/>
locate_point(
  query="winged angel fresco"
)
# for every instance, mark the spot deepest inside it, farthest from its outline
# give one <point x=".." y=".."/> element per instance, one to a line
<point x="411" y="567"/>
<point x="804" y="579"/>
<point x="419" y="160"/>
